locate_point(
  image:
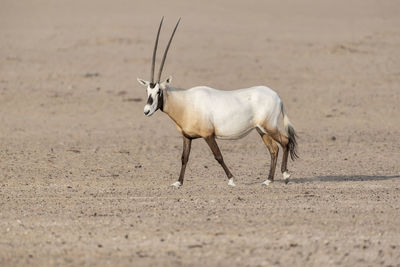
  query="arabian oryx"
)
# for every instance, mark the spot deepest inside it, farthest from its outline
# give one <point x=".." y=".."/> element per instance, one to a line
<point x="204" y="112"/>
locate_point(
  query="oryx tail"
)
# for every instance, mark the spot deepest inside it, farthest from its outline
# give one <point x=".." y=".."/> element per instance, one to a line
<point x="291" y="133"/>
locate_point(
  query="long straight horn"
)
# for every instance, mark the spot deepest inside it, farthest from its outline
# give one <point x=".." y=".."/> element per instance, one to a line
<point x="166" y="51"/>
<point x="153" y="63"/>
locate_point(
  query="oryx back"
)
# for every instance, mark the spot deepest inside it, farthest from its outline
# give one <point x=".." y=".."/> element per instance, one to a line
<point x="226" y="114"/>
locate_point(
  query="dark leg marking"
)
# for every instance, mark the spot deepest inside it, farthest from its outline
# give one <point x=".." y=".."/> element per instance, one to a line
<point x="187" y="143"/>
<point x="217" y="154"/>
<point x="284" y="142"/>
<point x="273" y="150"/>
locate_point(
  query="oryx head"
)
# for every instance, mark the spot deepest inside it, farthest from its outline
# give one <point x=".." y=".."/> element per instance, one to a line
<point x="155" y="88"/>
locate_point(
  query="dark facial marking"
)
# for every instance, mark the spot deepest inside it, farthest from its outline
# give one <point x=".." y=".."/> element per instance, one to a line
<point x="152" y="85"/>
<point x="150" y="100"/>
<point x="160" y="99"/>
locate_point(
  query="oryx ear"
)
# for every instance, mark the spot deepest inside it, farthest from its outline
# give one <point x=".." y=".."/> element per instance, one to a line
<point x="167" y="81"/>
<point x="143" y="82"/>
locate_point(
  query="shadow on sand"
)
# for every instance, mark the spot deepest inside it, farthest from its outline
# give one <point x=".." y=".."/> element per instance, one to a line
<point x="344" y="178"/>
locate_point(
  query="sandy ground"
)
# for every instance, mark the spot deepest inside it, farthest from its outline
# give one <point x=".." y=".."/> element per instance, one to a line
<point x="84" y="175"/>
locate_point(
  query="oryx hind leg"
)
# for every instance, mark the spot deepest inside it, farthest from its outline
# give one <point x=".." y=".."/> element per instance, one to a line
<point x="280" y="138"/>
<point x="284" y="142"/>
<point x="273" y="150"/>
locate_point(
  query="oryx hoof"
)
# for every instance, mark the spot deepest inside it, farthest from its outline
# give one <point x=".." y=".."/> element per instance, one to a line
<point x="177" y="184"/>
<point x="286" y="176"/>
<point x="231" y="183"/>
<point x="267" y="182"/>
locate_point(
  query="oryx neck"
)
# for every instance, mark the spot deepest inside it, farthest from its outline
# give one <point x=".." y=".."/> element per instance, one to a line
<point x="172" y="100"/>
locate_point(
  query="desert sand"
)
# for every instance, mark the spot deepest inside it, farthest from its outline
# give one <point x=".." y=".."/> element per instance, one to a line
<point x="85" y="176"/>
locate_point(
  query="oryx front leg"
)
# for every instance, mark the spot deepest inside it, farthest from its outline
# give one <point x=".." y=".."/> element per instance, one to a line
<point x="187" y="143"/>
<point x="218" y="156"/>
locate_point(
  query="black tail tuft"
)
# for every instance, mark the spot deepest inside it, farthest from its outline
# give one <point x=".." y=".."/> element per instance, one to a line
<point x="292" y="143"/>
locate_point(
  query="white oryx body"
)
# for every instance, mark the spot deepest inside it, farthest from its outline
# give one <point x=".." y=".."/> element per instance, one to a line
<point x="204" y="112"/>
<point x="201" y="111"/>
